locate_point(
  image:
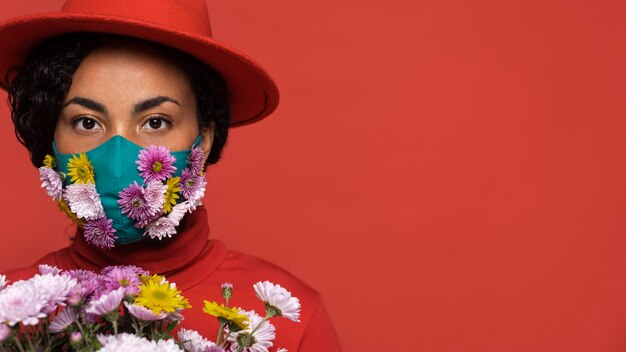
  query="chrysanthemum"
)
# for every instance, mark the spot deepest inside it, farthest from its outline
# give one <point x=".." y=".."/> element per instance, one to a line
<point x="106" y="303"/>
<point x="173" y="187"/>
<point x="234" y="315"/>
<point x="49" y="161"/>
<point x="192" y="187"/>
<point x="160" y="296"/>
<point x="62" y="205"/>
<point x="3" y="281"/>
<point x="80" y="169"/>
<point x="160" y="228"/>
<point x="196" y="157"/>
<point x="49" y="269"/>
<point x="134" y="204"/>
<point x="84" y="201"/>
<point x="51" y="182"/>
<point x="88" y="281"/>
<point x="192" y="341"/>
<point x="53" y="288"/>
<point x="278" y="301"/>
<point x="130" y="342"/>
<point x="126" y="276"/>
<point x="100" y="232"/>
<point x="63" y="320"/>
<point x="22" y="303"/>
<point x="4" y="332"/>
<point x="156" y="163"/>
<point x="260" y="340"/>
<point x="155" y="195"/>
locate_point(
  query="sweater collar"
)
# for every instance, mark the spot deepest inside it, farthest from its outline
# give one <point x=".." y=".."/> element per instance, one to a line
<point x="166" y="256"/>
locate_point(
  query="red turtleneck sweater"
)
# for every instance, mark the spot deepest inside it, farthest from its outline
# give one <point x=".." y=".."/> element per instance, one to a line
<point x="199" y="265"/>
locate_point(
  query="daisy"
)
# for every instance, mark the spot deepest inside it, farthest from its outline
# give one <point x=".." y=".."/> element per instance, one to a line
<point x="160" y="296"/>
<point x="233" y="315"/>
<point x="51" y="182"/>
<point x="256" y="337"/>
<point x="84" y="201"/>
<point x="100" y="232"/>
<point x="156" y="163"/>
<point x="107" y="303"/>
<point x="49" y="161"/>
<point x="80" y="169"/>
<point x="278" y="301"/>
<point x="173" y="187"/>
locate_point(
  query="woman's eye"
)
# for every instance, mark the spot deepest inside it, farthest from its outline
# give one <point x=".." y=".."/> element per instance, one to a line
<point x="86" y="123"/>
<point x="156" y="123"/>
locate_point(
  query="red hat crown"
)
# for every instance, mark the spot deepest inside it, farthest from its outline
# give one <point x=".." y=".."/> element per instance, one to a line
<point x="189" y="16"/>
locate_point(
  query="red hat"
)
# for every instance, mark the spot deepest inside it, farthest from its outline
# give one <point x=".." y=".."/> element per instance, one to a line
<point x="182" y="24"/>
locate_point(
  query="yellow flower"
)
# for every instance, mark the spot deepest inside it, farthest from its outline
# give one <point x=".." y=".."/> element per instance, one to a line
<point x="230" y="314"/>
<point x="80" y="169"/>
<point x="159" y="296"/>
<point x="66" y="209"/>
<point x="173" y="187"/>
<point x="49" y="161"/>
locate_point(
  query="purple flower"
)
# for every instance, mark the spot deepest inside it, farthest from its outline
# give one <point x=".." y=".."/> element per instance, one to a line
<point x="196" y="157"/>
<point x="100" y="232"/>
<point x="192" y="187"/>
<point x="155" y="195"/>
<point x="88" y="282"/>
<point x="48" y="269"/>
<point x="63" y="320"/>
<point x="156" y="163"/>
<point x="51" y="181"/>
<point x="4" y="332"/>
<point x="126" y="276"/>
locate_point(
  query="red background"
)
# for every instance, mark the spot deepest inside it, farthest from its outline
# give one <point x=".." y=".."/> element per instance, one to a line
<point x="448" y="174"/>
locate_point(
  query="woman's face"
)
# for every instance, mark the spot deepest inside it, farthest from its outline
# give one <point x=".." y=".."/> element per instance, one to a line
<point x="133" y="92"/>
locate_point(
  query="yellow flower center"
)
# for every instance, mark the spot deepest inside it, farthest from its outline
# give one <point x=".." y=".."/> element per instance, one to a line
<point x="157" y="166"/>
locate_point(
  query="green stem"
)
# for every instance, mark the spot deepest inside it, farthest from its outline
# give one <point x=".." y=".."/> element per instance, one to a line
<point x="258" y="326"/>
<point x="219" y="333"/>
<point x="223" y="345"/>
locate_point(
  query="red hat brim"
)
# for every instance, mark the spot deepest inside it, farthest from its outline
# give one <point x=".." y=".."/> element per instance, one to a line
<point x="252" y="93"/>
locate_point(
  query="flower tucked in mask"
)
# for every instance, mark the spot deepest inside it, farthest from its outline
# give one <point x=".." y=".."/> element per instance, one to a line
<point x="100" y="191"/>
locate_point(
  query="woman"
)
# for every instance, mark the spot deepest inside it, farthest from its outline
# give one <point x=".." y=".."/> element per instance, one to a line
<point x="137" y="101"/>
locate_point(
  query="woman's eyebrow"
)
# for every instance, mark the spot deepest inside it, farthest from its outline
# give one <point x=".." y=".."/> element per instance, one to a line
<point x="88" y="103"/>
<point x="152" y="102"/>
<point x="139" y="107"/>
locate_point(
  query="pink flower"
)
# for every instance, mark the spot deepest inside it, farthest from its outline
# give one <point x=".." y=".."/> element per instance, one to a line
<point x="156" y="163"/>
<point x="100" y="232"/>
<point x="107" y="303"/>
<point x="137" y="206"/>
<point x="143" y="313"/>
<point x="196" y="157"/>
<point x="192" y="187"/>
<point x="126" y="276"/>
<point x="51" y="181"/>
<point x="63" y="320"/>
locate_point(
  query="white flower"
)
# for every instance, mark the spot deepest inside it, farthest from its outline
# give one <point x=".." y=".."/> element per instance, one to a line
<point x="278" y="299"/>
<point x="49" y="269"/>
<point x="143" y="313"/>
<point x="282" y="350"/>
<point x="22" y="302"/>
<point x="198" y="195"/>
<point x="54" y="289"/>
<point x="128" y="342"/>
<point x="51" y="181"/>
<point x="63" y="320"/>
<point x="3" y="281"/>
<point x="192" y="341"/>
<point x="178" y="211"/>
<point x="107" y="303"/>
<point x="161" y="227"/>
<point x="84" y="201"/>
<point x="262" y="337"/>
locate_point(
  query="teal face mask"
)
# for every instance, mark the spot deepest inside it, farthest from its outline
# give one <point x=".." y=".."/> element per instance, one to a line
<point x="120" y="192"/>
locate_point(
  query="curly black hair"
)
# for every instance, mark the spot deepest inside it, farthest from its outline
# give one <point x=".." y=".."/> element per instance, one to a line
<point x="38" y="86"/>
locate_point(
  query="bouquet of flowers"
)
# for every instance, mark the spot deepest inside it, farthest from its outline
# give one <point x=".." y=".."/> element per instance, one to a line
<point x="124" y="308"/>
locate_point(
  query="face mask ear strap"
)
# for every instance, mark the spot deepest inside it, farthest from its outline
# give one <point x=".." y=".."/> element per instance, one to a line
<point x="197" y="142"/>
